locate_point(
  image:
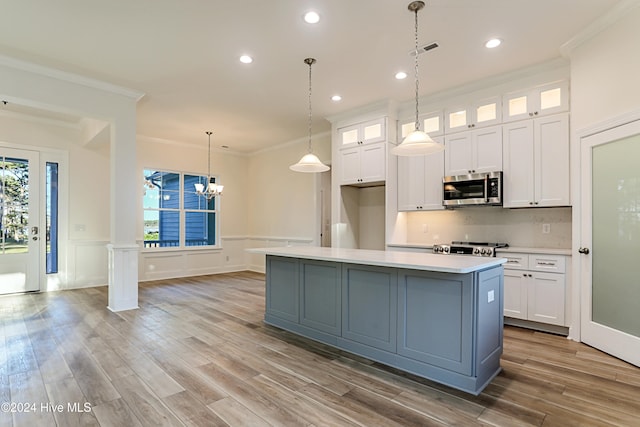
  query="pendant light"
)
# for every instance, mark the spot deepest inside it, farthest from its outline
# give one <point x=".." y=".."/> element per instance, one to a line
<point x="212" y="189"/>
<point x="309" y="163"/>
<point x="417" y="143"/>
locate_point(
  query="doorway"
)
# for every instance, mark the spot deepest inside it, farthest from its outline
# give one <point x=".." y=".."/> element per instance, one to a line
<point x="610" y="241"/>
<point x="19" y="221"/>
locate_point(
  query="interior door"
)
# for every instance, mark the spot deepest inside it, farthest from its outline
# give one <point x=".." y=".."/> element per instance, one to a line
<point x="19" y="221"/>
<point x="610" y="241"/>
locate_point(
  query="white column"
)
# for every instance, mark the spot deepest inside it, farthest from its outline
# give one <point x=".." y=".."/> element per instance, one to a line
<point x="123" y="250"/>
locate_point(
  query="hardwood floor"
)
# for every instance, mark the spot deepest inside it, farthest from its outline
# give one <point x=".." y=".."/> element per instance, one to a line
<point x="197" y="353"/>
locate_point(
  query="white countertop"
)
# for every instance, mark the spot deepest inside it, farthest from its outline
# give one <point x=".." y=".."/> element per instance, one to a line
<point x="411" y="260"/>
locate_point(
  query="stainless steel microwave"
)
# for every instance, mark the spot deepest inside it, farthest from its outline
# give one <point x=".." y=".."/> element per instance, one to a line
<point x="472" y="190"/>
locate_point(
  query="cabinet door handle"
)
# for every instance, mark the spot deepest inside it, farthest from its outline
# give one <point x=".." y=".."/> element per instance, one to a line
<point x="584" y="251"/>
<point x="546" y="263"/>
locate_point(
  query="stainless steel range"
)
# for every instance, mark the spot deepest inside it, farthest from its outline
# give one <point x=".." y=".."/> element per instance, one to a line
<point x="469" y="248"/>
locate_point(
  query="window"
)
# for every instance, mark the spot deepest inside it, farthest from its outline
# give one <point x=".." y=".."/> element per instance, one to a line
<point x="174" y="215"/>
<point x="52" y="217"/>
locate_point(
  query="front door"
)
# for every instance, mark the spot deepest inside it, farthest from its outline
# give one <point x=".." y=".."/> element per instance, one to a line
<point x="19" y="221"/>
<point x="610" y="241"/>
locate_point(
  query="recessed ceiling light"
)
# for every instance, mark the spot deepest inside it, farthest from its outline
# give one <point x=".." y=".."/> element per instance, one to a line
<point x="336" y="98"/>
<point x="246" y="59"/>
<point x="490" y="44"/>
<point x="311" y="17"/>
<point x="401" y="75"/>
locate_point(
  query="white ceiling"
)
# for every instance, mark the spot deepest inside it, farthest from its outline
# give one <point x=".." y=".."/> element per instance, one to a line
<point x="183" y="54"/>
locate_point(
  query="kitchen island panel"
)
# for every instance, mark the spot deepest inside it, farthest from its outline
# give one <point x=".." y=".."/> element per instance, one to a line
<point x="370" y="305"/>
<point x="282" y="290"/>
<point x="320" y="295"/>
<point x="435" y="313"/>
<point x="490" y="323"/>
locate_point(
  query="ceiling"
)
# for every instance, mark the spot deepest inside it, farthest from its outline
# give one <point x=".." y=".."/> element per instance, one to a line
<point x="184" y="55"/>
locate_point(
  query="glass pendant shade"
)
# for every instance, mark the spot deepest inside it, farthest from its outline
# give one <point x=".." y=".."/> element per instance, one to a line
<point x="309" y="163"/>
<point x="417" y="143"/>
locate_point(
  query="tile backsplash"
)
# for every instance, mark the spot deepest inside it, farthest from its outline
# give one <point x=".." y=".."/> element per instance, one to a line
<point x="536" y="228"/>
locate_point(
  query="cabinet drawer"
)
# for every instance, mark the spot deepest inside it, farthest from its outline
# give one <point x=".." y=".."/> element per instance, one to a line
<point x="549" y="263"/>
<point x="516" y="261"/>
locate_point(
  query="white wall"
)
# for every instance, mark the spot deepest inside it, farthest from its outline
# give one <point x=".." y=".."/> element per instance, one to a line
<point x="283" y="206"/>
<point x="604" y="73"/>
<point x="282" y="203"/>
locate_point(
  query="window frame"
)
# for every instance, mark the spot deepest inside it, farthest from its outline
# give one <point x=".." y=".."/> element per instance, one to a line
<point x="182" y="214"/>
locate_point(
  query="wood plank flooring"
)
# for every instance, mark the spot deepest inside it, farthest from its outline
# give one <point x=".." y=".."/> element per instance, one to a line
<point x="197" y="353"/>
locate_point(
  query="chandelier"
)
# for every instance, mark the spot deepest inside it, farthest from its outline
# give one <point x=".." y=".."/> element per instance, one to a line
<point x="212" y="189"/>
<point x="309" y="163"/>
<point x="418" y="142"/>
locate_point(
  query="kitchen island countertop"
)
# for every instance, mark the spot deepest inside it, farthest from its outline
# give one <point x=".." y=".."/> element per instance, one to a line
<point x="409" y="260"/>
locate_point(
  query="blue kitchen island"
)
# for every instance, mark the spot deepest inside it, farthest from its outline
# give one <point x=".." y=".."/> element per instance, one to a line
<point x="438" y="317"/>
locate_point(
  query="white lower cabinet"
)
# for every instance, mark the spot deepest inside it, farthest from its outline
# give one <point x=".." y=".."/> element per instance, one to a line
<point x="534" y="287"/>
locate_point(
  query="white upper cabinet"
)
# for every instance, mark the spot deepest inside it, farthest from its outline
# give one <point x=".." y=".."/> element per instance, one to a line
<point x="542" y="100"/>
<point x="486" y="112"/>
<point x="363" y="133"/>
<point x="473" y="151"/>
<point x="431" y="123"/>
<point x="363" y="164"/>
<point x="536" y="162"/>
<point x="420" y="181"/>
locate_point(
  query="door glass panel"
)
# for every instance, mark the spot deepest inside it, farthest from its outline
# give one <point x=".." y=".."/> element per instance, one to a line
<point x="518" y="106"/>
<point x="550" y="98"/>
<point x="350" y="136"/>
<point x="52" y="217"/>
<point x="616" y="234"/>
<point x="432" y="124"/>
<point x="486" y="113"/>
<point x="457" y="119"/>
<point x="14" y="205"/>
<point x="372" y="131"/>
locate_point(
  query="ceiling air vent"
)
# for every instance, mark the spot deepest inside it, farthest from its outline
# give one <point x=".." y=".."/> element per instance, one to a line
<point x="424" y="48"/>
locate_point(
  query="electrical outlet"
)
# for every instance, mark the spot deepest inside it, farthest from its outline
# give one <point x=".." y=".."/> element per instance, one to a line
<point x="546" y="228"/>
<point x="425" y="229"/>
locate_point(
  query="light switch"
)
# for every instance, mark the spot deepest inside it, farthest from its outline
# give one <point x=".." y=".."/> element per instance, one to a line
<point x="490" y="296"/>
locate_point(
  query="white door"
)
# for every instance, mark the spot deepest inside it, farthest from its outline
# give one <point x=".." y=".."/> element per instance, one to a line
<point x="19" y="221"/>
<point x="610" y="241"/>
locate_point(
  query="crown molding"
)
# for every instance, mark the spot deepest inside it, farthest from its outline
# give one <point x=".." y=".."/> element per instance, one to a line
<point x="616" y="13"/>
<point x="290" y="143"/>
<point x="70" y="77"/>
<point x="41" y="120"/>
